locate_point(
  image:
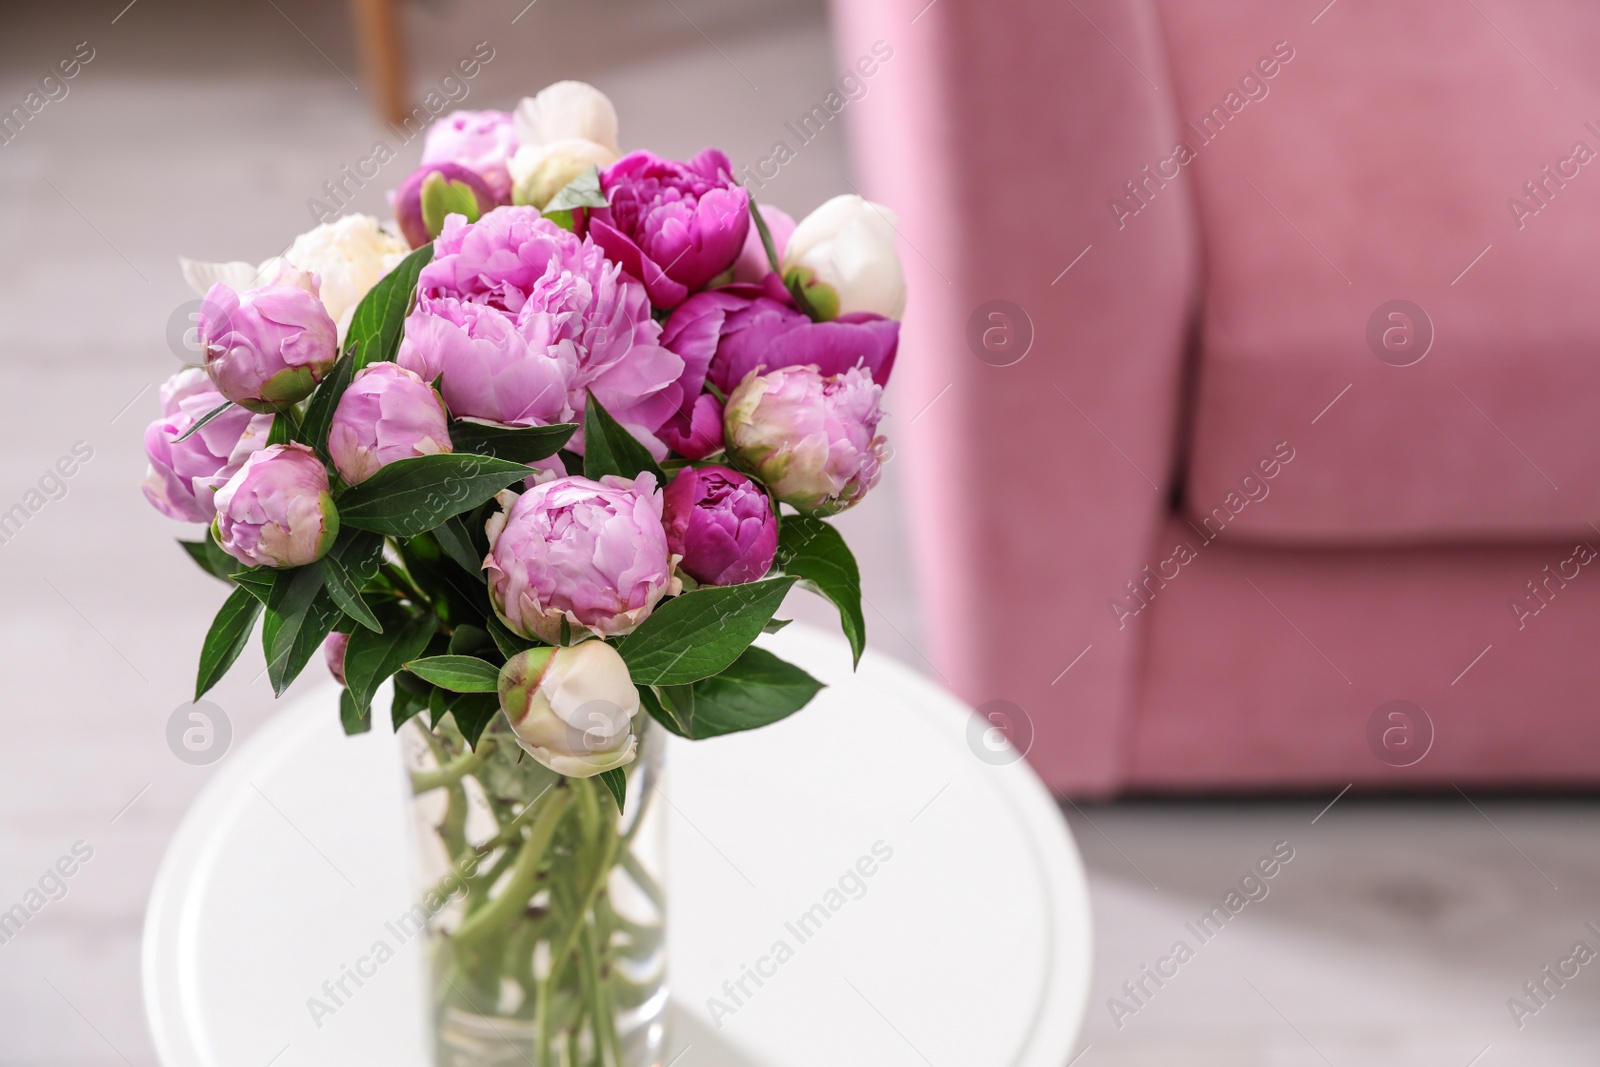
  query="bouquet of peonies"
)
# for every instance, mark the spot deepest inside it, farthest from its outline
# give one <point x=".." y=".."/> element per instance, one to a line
<point x="530" y="456"/>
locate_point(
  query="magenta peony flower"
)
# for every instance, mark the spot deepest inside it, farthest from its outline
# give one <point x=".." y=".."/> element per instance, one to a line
<point x="276" y="510"/>
<point x="722" y="524"/>
<point x="521" y="318"/>
<point x="812" y="439"/>
<point x="753" y="265"/>
<point x="697" y="434"/>
<point x="387" y="413"/>
<point x="333" y="650"/>
<point x="481" y="141"/>
<point x="739" y="329"/>
<point x="674" y="226"/>
<point x="184" y="476"/>
<point x="592" y="553"/>
<point x="407" y="200"/>
<point x="269" y="346"/>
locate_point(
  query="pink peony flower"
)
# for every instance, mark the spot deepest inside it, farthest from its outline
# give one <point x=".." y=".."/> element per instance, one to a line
<point x="812" y="439"/>
<point x="522" y="318"/>
<point x="485" y="366"/>
<point x="182" y="385"/>
<point x="270" y="346"/>
<point x="722" y="524"/>
<point x="481" y="141"/>
<point x="276" y="510"/>
<point x="184" y="476"/>
<point x="592" y="553"/>
<point x="387" y="413"/>
<point x="674" y="226"/>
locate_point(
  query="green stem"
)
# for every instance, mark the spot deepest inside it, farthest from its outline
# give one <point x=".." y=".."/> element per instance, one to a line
<point x="402" y="581"/>
<point x="452" y="772"/>
<point x="524" y="875"/>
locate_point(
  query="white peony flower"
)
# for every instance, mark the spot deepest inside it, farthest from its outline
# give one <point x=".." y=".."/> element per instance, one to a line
<point x="348" y="255"/>
<point x="566" y="111"/>
<point x="562" y="132"/>
<point x="844" y="255"/>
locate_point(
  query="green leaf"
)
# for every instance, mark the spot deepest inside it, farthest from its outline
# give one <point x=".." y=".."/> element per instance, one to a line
<point x="345" y="593"/>
<point x="370" y="657"/>
<point x="208" y="555"/>
<point x="281" y="431"/>
<point x="456" y="542"/>
<point x="610" y="449"/>
<point x="814" y="552"/>
<point x="757" y="690"/>
<point x="379" y="320"/>
<point x="412" y="496"/>
<point x="299" y="617"/>
<point x="524" y="444"/>
<point x="617" y="782"/>
<point x="473" y="712"/>
<point x="360" y="554"/>
<point x="775" y="625"/>
<point x="459" y="674"/>
<point x="410" y="696"/>
<point x="582" y="191"/>
<point x="443" y="196"/>
<point x="229" y="633"/>
<point x="347" y="568"/>
<point x="257" y="581"/>
<point x="766" y="236"/>
<point x="700" y="633"/>
<point x="470" y="640"/>
<point x="203" y="419"/>
<point x="507" y="642"/>
<point x="354" y="720"/>
<point x="319" y="412"/>
<point x="661" y="712"/>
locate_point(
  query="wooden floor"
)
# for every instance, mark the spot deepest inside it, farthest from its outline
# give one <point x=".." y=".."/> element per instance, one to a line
<point x="1395" y="936"/>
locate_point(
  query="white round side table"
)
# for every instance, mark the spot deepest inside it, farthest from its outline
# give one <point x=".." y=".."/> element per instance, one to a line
<point x="968" y="946"/>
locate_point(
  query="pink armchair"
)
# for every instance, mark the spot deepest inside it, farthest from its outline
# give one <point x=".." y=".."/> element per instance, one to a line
<point x="1307" y="424"/>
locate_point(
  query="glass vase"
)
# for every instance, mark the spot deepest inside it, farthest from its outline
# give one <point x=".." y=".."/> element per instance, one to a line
<point x="543" y="905"/>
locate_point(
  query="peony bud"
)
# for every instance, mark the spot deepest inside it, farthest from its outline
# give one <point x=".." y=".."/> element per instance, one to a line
<point x="592" y="554"/>
<point x="454" y="188"/>
<point x="481" y="141"/>
<point x="276" y="510"/>
<point x="722" y="524"/>
<point x="572" y="708"/>
<point x="843" y="256"/>
<point x="387" y="413"/>
<point x="333" y="650"/>
<point x="184" y="476"/>
<point x="270" y="346"/>
<point x="812" y="440"/>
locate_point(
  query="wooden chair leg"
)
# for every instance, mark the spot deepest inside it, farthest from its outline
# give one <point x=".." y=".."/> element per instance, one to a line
<point x="382" y="55"/>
